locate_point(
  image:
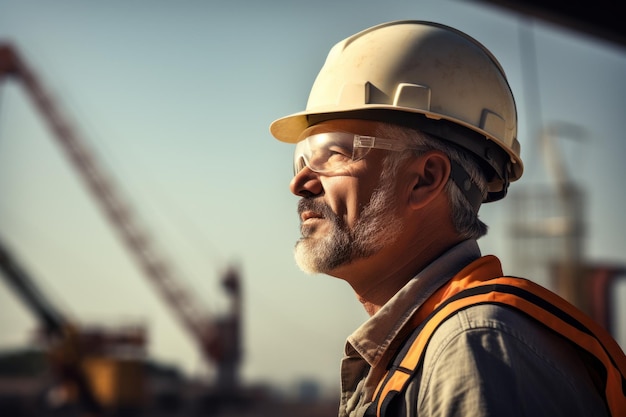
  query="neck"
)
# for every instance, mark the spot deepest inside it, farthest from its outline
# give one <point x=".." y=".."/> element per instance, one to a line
<point x="376" y="279"/>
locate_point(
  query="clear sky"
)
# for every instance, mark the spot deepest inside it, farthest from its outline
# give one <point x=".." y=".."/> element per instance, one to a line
<point x="176" y="99"/>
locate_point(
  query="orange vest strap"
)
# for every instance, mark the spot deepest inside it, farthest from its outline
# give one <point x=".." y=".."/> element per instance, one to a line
<point x="531" y="299"/>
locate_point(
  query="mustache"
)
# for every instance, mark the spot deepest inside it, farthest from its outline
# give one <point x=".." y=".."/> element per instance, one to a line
<point x="316" y="206"/>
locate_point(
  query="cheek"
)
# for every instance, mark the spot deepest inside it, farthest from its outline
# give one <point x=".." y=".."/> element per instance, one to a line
<point x="349" y="194"/>
<point x="345" y="197"/>
<point x="362" y="198"/>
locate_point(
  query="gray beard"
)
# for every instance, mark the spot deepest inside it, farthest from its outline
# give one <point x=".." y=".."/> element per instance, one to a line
<point x="376" y="227"/>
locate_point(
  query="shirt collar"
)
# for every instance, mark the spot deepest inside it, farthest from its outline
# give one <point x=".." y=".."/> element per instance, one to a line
<point x="374" y="337"/>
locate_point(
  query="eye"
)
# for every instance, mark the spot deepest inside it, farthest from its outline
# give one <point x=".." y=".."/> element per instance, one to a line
<point x="338" y="153"/>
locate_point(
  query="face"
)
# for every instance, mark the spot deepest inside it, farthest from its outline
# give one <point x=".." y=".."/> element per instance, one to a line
<point x="348" y="214"/>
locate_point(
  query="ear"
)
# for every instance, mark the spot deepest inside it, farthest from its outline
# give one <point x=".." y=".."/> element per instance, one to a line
<point x="430" y="173"/>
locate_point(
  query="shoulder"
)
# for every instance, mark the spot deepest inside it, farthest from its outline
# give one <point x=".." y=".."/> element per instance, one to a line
<point x="505" y="360"/>
<point x="480" y="323"/>
<point x="494" y="330"/>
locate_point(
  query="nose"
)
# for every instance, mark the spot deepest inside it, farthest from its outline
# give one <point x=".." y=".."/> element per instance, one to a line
<point x="306" y="183"/>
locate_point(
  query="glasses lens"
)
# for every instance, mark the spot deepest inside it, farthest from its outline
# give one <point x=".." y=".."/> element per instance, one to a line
<point x="324" y="152"/>
<point x="299" y="158"/>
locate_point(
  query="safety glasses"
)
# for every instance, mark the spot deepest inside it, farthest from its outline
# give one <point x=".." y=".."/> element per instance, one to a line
<point x="331" y="151"/>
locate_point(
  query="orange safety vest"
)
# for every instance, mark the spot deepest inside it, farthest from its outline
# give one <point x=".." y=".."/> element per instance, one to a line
<point x="523" y="295"/>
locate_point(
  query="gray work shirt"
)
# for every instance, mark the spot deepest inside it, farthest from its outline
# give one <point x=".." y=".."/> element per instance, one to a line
<point x="484" y="361"/>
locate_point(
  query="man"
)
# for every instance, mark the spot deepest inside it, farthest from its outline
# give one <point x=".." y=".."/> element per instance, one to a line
<point x="409" y="127"/>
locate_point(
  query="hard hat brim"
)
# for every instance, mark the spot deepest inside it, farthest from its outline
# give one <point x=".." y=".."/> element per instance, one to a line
<point x="289" y="128"/>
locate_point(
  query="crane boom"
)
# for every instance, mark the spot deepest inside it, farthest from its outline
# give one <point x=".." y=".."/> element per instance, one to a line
<point x="204" y="331"/>
<point x="52" y="319"/>
<point x="56" y="325"/>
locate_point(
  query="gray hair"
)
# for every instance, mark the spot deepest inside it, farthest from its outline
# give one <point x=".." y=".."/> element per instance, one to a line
<point x="464" y="218"/>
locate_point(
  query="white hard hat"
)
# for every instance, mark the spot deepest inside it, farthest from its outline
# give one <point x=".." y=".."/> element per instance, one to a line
<point x="424" y="75"/>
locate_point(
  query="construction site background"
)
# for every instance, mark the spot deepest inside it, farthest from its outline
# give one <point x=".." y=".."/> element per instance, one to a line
<point x="72" y="367"/>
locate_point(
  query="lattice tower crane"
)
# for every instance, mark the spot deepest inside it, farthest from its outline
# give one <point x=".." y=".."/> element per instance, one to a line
<point x="218" y="339"/>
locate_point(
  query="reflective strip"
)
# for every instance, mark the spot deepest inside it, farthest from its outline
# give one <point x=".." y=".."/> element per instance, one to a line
<point x="394" y="381"/>
<point x="539" y="303"/>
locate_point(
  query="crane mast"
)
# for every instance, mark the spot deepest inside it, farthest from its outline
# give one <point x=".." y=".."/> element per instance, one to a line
<point x="217" y="340"/>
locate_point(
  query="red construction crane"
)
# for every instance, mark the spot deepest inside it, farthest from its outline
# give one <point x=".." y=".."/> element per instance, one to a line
<point x="218" y="339"/>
